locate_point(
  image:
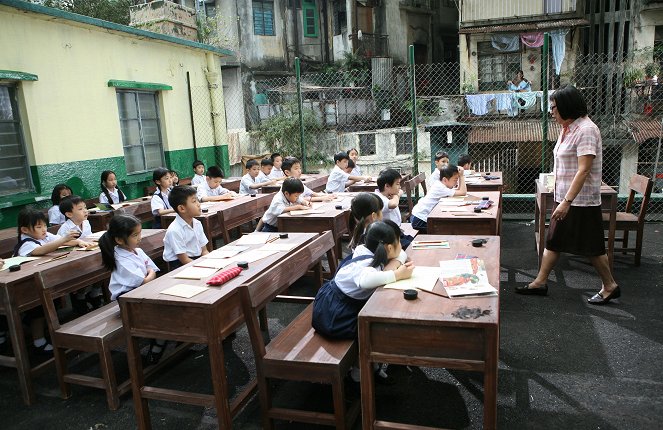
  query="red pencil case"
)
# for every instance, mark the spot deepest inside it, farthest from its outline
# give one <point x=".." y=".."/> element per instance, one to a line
<point x="224" y="276"/>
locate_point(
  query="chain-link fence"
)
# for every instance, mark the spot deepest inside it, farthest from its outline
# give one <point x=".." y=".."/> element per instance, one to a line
<point x="372" y="110"/>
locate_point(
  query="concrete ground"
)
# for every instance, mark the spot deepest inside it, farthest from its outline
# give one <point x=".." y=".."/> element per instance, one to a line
<point x="563" y="363"/>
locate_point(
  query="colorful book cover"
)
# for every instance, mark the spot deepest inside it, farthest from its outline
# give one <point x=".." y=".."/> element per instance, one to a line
<point x="466" y="278"/>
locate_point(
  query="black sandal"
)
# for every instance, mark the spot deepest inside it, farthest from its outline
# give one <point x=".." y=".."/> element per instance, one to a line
<point x="154" y="357"/>
<point x="598" y="299"/>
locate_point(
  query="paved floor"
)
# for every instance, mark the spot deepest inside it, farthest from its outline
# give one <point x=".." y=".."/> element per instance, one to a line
<point x="563" y="364"/>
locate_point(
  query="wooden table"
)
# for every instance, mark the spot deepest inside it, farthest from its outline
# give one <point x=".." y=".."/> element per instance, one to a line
<point x="8" y="240"/>
<point x="441" y="221"/>
<point x="221" y="217"/>
<point x="18" y="294"/>
<point x="429" y="332"/>
<point x="485" y="184"/>
<point x="315" y="182"/>
<point x="363" y="187"/>
<point x="543" y="206"/>
<point x="232" y="183"/>
<point x="335" y="220"/>
<point x="141" y="208"/>
<point x="207" y="318"/>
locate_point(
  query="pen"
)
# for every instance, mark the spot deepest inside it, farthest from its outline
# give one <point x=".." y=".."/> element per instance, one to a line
<point x="52" y="259"/>
<point x="422" y="242"/>
<point x="431" y="292"/>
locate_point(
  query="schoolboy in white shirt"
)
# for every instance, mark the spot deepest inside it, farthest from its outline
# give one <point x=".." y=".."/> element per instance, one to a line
<point x="75" y="211"/>
<point x="198" y="173"/>
<point x="185" y="238"/>
<point x="288" y="199"/>
<point x="450" y="176"/>
<point x="266" y="166"/>
<point x="249" y="184"/>
<point x="292" y="168"/>
<point x="441" y="160"/>
<point x="211" y="190"/>
<point x="339" y="177"/>
<point x="389" y="191"/>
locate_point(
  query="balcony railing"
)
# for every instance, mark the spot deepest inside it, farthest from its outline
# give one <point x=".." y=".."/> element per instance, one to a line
<point x="484" y="10"/>
<point x="372" y="45"/>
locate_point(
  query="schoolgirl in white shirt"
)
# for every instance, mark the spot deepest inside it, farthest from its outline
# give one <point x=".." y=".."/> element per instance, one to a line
<point x="110" y="194"/>
<point x="354" y="156"/>
<point x="60" y="191"/>
<point x="379" y="261"/>
<point x="159" y="204"/>
<point x="276" y="172"/>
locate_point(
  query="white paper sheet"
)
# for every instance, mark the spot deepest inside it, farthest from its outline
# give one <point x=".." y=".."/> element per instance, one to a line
<point x="227" y="251"/>
<point x="193" y="272"/>
<point x="254" y="239"/>
<point x="183" y="290"/>
<point x="423" y="278"/>
<point x="16" y="260"/>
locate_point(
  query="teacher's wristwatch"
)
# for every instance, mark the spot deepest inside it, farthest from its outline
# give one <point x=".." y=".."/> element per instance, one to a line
<point x="567" y="200"/>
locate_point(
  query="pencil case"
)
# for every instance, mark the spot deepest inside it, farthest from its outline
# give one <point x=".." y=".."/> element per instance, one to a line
<point x="224" y="276"/>
<point x="485" y="204"/>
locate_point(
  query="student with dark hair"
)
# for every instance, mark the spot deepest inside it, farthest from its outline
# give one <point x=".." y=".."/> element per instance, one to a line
<point x="211" y="190"/>
<point x="60" y="191"/>
<point x="276" y="172"/>
<point x="185" y="238"/>
<point x="159" y="203"/>
<point x="75" y="210"/>
<point x="286" y="200"/>
<point x="338" y="177"/>
<point x="450" y="176"/>
<point x="292" y="168"/>
<point x="198" y="173"/>
<point x="174" y="178"/>
<point x="249" y="184"/>
<point x="389" y="191"/>
<point x="576" y="225"/>
<point x="441" y="160"/>
<point x="266" y="166"/>
<point x="379" y="261"/>
<point x="365" y="209"/>
<point x="110" y="194"/>
<point x="130" y="266"/>
<point x="465" y="161"/>
<point x="354" y="156"/>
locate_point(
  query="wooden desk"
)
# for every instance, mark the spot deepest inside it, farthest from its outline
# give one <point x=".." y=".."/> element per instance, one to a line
<point x="485" y="184"/>
<point x="363" y="187"/>
<point x="8" y="240"/>
<point x="543" y="206"/>
<point x="18" y="294"/>
<point x="141" y="208"/>
<point x="232" y="183"/>
<point x="486" y="223"/>
<point x="222" y="217"/>
<point x="335" y="220"/>
<point x="316" y="183"/>
<point x="428" y="331"/>
<point x="207" y="318"/>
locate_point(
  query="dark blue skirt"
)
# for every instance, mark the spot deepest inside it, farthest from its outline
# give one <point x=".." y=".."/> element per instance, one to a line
<point x="335" y="314"/>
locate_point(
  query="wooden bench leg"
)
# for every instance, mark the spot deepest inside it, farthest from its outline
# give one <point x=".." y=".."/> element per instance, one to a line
<point x="338" y="393"/>
<point x="108" y="373"/>
<point x="265" y="397"/>
<point x="638" y="245"/>
<point x="137" y="383"/>
<point x="625" y="241"/>
<point x="333" y="264"/>
<point x="262" y="317"/>
<point x="61" y="368"/>
<point x="219" y="382"/>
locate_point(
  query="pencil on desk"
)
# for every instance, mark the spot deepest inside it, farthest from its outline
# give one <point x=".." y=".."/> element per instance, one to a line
<point x="272" y="239"/>
<point x="52" y="259"/>
<point x="433" y="293"/>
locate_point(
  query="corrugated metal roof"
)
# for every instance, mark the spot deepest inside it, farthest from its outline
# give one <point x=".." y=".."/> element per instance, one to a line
<point x="525" y="26"/>
<point x="512" y="131"/>
<point x="644" y="129"/>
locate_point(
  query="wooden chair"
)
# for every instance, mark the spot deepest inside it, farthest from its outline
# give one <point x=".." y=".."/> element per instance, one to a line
<point x="628" y="221"/>
<point x="410" y="186"/>
<point x="98" y="331"/>
<point x="298" y="353"/>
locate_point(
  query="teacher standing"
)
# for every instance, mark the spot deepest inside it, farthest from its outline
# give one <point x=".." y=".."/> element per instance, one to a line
<point x="576" y="224"/>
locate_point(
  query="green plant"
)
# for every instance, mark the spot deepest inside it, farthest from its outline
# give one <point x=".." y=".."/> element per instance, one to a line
<point x="652" y="69"/>
<point x="281" y="132"/>
<point x="632" y="75"/>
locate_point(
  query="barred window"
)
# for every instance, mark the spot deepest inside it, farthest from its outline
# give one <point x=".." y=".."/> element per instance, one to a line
<point x="263" y="17"/>
<point x="14" y="166"/>
<point x="495" y="67"/>
<point x="310" y="15"/>
<point x="141" y="130"/>
<point x="404" y="143"/>
<point x="367" y="144"/>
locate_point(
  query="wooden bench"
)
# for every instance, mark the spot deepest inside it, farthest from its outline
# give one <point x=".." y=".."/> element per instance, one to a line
<point x="298" y="353"/>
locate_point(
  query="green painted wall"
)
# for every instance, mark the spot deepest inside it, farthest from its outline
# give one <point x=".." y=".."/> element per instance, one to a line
<point x="83" y="178"/>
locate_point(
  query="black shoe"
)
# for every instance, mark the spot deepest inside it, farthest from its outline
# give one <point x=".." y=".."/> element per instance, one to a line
<point x="154" y="357"/>
<point x="384" y="378"/>
<point x="79" y="305"/>
<point x="41" y="350"/>
<point x="598" y="299"/>
<point x="538" y="291"/>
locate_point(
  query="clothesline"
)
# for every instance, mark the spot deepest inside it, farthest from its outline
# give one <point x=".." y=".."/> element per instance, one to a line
<point x="511" y="102"/>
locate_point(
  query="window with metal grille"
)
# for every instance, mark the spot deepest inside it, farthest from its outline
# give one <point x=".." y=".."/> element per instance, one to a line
<point x="404" y="143"/>
<point x="14" y="166"/>
<point x="310" y="15"/>
<point x="263" y="17"/>
<point x="141" y="130"/>
<point x="367" y="144"/>
<point x="495" y="67"/>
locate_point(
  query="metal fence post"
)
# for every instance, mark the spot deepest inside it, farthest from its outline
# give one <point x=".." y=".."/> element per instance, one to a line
<point x="413" y="100"/>
<point x="300" y="106"/>
<point x="544" y="110"/>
